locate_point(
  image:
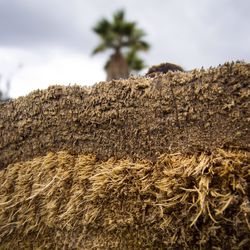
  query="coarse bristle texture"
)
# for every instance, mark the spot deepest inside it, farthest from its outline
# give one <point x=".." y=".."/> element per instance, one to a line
<point x="142" y="117"/>
<point x="63" y="201"/>
<point x="145" y="163"/>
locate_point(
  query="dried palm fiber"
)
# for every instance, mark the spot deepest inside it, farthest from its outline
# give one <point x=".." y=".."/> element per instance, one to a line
<point x="198" y="201"/>
<point x="140" y="117"/>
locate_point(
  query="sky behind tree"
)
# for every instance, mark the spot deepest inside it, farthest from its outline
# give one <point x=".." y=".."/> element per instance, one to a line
<point x="53" y="40"/>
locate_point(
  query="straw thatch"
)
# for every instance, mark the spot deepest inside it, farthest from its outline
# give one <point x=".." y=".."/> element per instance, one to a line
<point x="142" y="117"/>
<point x="143" y="163"/>
<point x="62" y="201"/>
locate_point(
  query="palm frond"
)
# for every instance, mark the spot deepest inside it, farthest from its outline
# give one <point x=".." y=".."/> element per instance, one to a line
<point x="102" y="27"/>
<point x="118" y="16"/>
<point x="141" y="45"/>
<point x="100" y="48"/>
<point x="134" y="62"/>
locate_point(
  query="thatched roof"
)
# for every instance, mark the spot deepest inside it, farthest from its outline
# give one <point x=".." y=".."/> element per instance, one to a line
<point x="77" y="202"/>
<point x="143" y="163"/>
<point x="139" y="117"/>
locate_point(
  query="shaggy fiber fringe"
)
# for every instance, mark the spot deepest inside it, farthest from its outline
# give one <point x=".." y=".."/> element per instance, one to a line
<point x="65" y="201"/>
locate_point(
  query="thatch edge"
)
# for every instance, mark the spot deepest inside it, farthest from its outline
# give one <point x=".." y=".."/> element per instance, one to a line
<point x="62" y="200"/>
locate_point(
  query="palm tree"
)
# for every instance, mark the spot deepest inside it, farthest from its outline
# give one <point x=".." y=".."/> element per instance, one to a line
<point x="125" y="39"/>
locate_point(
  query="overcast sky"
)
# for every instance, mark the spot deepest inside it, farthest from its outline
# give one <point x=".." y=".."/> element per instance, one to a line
<point x="45" y="42"/>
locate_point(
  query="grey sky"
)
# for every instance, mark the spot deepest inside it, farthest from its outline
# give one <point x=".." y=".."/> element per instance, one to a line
<point x="192" y="33"/>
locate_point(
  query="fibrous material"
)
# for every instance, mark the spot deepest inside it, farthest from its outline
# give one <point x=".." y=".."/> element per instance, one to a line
<point x="143" y="163"/>
<point x="77" y="202"/>
<point x="141" y="117"/>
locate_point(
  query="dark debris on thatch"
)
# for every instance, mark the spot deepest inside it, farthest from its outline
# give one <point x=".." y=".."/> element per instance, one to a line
<point x="163" y="68"/>
<point x="140" y="117"/>
<point x="64" y="201"/>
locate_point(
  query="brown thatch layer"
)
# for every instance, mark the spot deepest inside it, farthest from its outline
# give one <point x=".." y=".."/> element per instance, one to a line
<point x="142" y="118"/>
<point x="181" y="202"/>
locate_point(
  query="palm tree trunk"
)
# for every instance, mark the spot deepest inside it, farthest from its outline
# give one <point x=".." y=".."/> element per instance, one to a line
<point x="117" y="67"/>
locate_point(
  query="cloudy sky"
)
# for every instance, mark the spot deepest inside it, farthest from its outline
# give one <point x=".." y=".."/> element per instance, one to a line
<point x="45" y="42"/>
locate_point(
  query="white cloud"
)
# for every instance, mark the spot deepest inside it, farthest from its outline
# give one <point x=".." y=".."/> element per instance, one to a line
<point x="53" y="39"/>
<point x="46" y="67"/>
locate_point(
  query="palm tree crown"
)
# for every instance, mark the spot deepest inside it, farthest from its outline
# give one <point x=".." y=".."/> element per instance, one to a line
<point x="117" y="35"/>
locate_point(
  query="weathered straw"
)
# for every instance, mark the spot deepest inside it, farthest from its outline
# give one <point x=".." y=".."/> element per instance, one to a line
<point x="64" y="201"/>
<point x="143" y="163"/>
<point x="183" y="112"/>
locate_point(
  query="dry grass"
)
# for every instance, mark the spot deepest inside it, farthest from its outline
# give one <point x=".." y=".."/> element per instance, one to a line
<point x="143" y="163"/>
<point x="140" y="117"/>
<point x="198" y="201"/>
